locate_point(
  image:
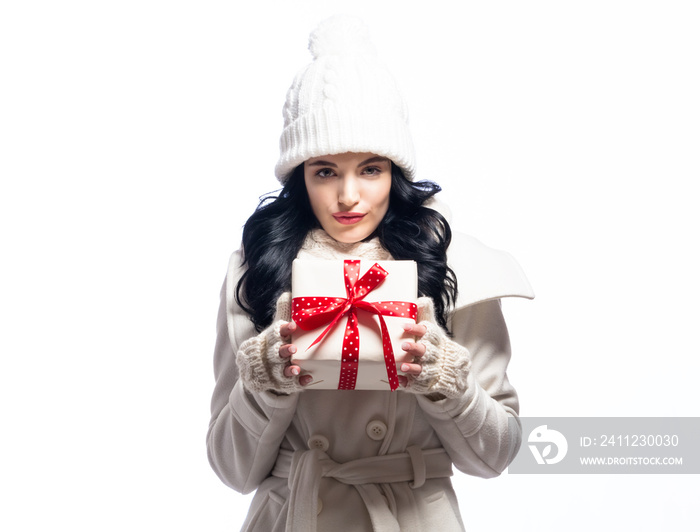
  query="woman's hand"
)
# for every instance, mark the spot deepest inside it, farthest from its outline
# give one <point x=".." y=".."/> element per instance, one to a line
<point x="264" y="361"/>
<point x="440" y="366"/>
<point x="287" y="350"/>
<point x="416" y="349"/>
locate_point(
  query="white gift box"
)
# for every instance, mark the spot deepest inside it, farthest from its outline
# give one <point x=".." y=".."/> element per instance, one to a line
<point x="326" y="279"/>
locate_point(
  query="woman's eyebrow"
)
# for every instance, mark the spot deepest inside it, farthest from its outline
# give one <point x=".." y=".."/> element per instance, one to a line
<point x="371" y="160"/>
<point x="323" y="163"/>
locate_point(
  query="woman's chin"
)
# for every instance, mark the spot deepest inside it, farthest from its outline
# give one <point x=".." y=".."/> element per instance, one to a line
<point x="349" y="235"/>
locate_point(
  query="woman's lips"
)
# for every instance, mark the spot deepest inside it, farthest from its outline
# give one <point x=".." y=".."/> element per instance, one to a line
<point x="348" y="218"/>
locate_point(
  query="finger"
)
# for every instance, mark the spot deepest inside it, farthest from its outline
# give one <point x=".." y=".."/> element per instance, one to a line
<point x="305" y="380"/>
<point x="411" y="369"/>
<point x="403" y="381"/>
<point x="287" y="350"/>
<point x="292" y="371"/>
<point x="416" y="329"/>
<point x="286" y="329"/>
<point x="413" y="348"/>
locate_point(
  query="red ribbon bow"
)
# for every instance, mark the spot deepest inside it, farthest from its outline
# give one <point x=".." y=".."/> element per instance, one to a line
<point x="313" y="312"/>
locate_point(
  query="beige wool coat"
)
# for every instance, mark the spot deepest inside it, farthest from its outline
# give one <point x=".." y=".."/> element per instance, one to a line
<point x="332" y="460"/>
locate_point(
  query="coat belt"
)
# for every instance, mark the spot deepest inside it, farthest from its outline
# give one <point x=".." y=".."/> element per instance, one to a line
<point x="304" y="470"/>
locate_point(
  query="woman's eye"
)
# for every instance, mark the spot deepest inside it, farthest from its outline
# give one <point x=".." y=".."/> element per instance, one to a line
<point x="372" y="170"/>
<point x="325" y="172"/>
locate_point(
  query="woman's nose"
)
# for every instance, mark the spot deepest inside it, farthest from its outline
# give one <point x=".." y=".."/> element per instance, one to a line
<point x="349" y="191"/>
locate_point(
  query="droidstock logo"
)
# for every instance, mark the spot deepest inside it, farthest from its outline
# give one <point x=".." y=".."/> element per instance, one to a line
<point x="543" y="438"/>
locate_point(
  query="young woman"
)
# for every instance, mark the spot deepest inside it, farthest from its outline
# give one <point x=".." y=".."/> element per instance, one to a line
<point x="359" y="460"/>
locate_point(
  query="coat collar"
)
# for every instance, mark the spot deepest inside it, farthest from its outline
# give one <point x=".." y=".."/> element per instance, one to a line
<point x="484" y="273"/>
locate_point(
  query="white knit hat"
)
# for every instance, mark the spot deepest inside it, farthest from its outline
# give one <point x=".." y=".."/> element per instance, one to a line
<point x="344" y="101"/>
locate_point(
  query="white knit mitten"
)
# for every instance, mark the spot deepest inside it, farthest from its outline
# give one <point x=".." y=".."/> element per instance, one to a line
<point x="445" y="364"/>
<point x="259" y="363"/>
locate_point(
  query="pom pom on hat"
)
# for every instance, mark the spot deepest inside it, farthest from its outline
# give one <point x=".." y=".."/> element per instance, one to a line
<point x="341" y="34"/>
<point x="344" y="101"/>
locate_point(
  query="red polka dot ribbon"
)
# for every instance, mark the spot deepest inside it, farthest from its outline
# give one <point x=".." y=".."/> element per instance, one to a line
<point x="312" y="312"/>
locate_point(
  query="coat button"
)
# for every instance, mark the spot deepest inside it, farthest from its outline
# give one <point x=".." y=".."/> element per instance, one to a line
<point x="318" y="442"/>
<point x="376" y="430"/>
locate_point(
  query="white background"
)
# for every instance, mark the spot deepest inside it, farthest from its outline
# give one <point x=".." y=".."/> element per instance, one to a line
<point x="136" y="137"/>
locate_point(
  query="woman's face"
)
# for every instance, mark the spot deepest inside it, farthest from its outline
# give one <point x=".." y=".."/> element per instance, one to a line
<point x="349" y="193"/>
